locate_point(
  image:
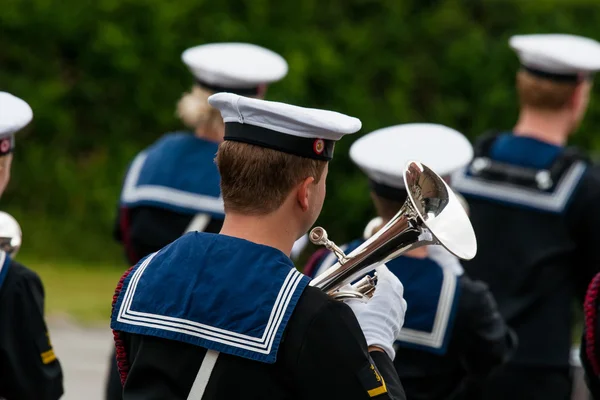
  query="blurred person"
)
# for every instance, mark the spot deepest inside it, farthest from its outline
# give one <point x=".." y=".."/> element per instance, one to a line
<point x="452" y="330"/>
<point x="534" y="209"/>
<point x="29" y="368"/>
<point x="227" y="316"/>
<point x="172" y="187"/>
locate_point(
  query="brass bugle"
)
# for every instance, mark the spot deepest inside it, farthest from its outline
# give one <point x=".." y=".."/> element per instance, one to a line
<point x="431" y="215"/>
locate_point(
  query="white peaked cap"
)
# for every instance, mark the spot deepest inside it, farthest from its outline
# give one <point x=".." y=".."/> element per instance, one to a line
<point x="306" y="132"/>
<point x="15" y="114"/>
<point x="557" y="53"/>
<point x="384" y="153"/>
<point x="234" y="65"/>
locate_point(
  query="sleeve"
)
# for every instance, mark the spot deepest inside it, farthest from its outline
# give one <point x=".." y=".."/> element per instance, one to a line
<point x="586" y="217"/>
<point x="28" y="366"/>
<point x="160" y="368"/>
<point x="334" y="361"/>
<point x="485" y="338"/>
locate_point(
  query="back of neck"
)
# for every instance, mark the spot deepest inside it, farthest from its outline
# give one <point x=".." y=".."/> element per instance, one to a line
<point x="267" y="230"/>
<point x="202" y="132"/>
<point x="544" y="126"/>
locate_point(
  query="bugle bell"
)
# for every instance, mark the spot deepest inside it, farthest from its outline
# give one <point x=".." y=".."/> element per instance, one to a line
<point x="431" y="215"/>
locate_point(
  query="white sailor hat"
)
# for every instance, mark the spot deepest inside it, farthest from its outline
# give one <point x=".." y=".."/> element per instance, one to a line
<point x="560" y="57"/>
<point x="382" y="155"/>
<point x="234" y="67"/>
<point x="15" y="114"/>
<point x="305" y="132"/>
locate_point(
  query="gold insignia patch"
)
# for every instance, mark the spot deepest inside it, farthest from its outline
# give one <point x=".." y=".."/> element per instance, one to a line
<point x="372" y="380"/>
<point x="48" y="356"/>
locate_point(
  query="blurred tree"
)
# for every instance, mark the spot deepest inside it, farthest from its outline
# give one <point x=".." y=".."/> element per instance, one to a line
<point x="103" y="78"/>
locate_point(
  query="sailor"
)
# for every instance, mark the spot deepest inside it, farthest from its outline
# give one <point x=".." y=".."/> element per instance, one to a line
<point x="452" y="330"/>
<point x="226" y="316"/>
<point x="172" y="187"/>
<point x="534" y="210"/>
<point x="29" y="369"/>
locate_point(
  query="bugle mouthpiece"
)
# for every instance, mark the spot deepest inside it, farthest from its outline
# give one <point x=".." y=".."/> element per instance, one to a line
<point x="318" y="236"/>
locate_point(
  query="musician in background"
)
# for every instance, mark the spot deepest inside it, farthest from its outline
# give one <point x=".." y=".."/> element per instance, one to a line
<point x="172" y="187"/>
<point x="534" y="208"/>
<point x="452" y="329"/>
<point x="29" y="369"/>
<point x="227" y="316"/>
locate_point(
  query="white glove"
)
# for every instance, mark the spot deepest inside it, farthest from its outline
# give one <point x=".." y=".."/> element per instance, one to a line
<point x="382" y="317"/>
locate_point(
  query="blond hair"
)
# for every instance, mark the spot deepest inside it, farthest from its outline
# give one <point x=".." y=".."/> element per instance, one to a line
<point x="194" y="111"/>
<point x="543" y="94"/>
<point x="257" y="180"/>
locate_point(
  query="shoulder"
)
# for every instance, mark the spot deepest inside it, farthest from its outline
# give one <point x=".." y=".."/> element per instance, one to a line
<point x="18" y="274"/>
<point x="473" y="293"/>
<point x="588" y="189"/>
<point x="316" y="310"/>
<point x="22" y="283"/>
<point x="592" y="176"/>
<point x="170" y="140"/>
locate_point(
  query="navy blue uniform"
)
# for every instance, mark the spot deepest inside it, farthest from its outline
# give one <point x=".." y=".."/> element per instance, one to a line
<point x="29" y="369"/>
<point x="274" y="336"/>
<point x="168" y="185"/>
<point x="169" y="188"/>
<point x="533" y="209"/>
<point x="452" y="330"/>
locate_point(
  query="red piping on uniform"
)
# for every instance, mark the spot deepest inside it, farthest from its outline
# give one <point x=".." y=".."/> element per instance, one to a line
<point x="591" y="317"/>
<point x="124" y="226"/>
<point x="122" y="362"/>
<point x="312" y="262"/>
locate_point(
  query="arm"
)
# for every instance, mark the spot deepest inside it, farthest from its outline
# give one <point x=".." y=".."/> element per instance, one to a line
<point x="584" y="218"/>
<point x="334" y="361"/>
<point x="486" y="341"/>
<point x="28" y="366"/>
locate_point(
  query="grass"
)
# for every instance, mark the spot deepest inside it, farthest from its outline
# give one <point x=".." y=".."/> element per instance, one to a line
<point x="81" y="292"/>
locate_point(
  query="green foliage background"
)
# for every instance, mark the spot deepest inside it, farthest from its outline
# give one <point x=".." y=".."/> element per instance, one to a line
<point x="103" y="78"/>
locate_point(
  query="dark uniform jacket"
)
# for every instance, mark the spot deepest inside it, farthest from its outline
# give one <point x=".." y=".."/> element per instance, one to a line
<point x="452" y="330"/>
<point x="533" y="209"/>
<point x="169" y="186"/>
<point x="29" y="369"/>
<point x="276" y="337"/>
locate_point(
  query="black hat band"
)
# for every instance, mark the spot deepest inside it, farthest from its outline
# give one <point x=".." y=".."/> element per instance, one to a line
<point x="250" y="91"/>
<point x="388" y="192"/>
<point x="567" y="78"/>
<point x="318" y="149"/>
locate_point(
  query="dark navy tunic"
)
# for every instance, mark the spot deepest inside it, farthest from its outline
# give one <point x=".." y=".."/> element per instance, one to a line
<point x="534" y="208"/>
<point x="452" y="330"/>
<point x="275" y="336"/>
<point x="171" y="187"/>
<point x="29" y="368"/>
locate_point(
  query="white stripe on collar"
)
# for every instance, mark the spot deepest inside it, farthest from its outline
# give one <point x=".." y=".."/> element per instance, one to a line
<point x="132" y="192"/>
<point x="555" y="201"/>
<point x="435" y="338"/>
<point x="260" y="345"/>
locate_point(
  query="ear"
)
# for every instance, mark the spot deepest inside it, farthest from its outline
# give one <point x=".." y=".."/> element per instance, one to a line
<point x="577" y="96"/>
<point x="303" y="192"/>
